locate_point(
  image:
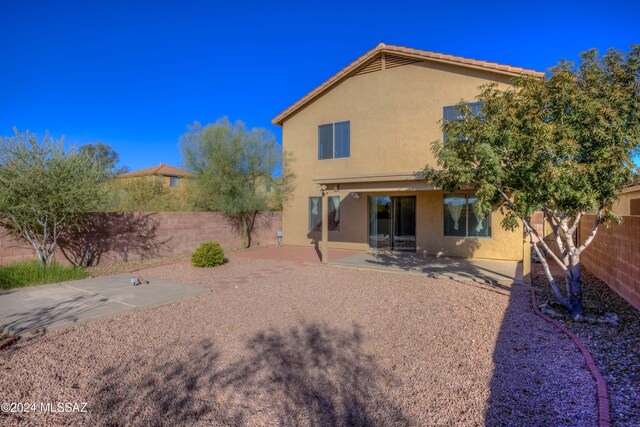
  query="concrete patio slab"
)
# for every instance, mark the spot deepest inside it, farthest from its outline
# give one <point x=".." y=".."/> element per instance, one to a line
<point x="299" y="254"/>
<point x="41" y="308"/>
<point x="479" y="270"/>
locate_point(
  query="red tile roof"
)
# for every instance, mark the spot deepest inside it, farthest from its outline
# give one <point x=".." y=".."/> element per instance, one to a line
<point x="410" y="53"/>
<point x="161" y="169"/>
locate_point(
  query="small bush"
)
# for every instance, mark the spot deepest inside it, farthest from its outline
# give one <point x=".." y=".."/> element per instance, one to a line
<point x="209" y="254"/>
<point x="32" y="273"/>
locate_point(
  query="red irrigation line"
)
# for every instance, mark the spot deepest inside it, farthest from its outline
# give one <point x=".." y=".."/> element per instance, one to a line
<point x="604" y="419"/>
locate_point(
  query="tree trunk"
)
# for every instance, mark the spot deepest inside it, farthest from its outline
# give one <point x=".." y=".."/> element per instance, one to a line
<point x="245" y="231"/>
<point x="44" y="254"/>
<point x="577" y="310"/>
<point x="42" y="257"/>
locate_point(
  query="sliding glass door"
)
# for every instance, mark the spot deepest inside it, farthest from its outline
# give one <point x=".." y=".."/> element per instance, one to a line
<point x="392" y="222"/>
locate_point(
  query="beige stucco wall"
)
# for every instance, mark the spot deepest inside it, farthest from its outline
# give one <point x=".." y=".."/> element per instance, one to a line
<point x="627" y="197"/>
<point x="394" y="117"/>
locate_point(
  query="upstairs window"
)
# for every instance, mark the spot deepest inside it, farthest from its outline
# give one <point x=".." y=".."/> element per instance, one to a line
<point x="334" y="140"/>
<point x="451" y="112"/>
<point x="174" y="181"/>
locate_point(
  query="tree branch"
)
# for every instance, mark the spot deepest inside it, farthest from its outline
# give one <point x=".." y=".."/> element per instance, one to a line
<point x="576" y="223"/>
<point x="551" y="216"/>
<point x="550" y="278"/>
<point x="592" y="235"/>
<point x="531" y="230"/>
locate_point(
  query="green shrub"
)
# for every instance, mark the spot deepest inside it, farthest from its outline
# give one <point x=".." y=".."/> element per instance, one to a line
<point x="209" y="254"/>
<point x="33" y="273"/>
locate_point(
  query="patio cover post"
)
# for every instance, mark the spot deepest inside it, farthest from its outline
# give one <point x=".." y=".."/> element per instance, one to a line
<point x="325" y="227"/>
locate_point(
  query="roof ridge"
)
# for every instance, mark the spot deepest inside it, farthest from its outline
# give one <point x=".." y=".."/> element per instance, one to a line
<point x="385" y="48"/>
<point x="158" y="169"/>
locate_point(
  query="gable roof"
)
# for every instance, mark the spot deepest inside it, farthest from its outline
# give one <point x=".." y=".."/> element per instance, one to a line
<point x="161" y="169"/>
<point x="417" y="55"/>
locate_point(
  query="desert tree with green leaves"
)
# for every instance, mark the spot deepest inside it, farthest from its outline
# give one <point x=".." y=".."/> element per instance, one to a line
<point x="105" y="155"/>
<point x="563" y="144"/>
<point x="235" y="171"/>
<point x="44" y="190"/>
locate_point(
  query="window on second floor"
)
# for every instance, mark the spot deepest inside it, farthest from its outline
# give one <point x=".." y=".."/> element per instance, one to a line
<point x="174" y="181"/>
<point x="334" y="140"/>
<point x="451" y="112"/>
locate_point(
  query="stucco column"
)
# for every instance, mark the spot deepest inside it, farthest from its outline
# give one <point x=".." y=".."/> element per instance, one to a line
<point x="324" y="247"/>
<point x="526" y="261"/>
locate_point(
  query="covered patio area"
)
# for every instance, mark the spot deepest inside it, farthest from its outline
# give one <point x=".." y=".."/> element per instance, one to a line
<point x="401" y="223"/>
<point x="463" y="269"/>
<point x="466" y="269"/>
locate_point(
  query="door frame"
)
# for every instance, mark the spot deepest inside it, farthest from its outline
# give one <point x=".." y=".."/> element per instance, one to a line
<point x="393" y="201"/>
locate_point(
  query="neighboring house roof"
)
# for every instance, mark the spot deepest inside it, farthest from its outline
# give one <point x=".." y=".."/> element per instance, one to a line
<point x="161" y="169"/>
<point x="631" y="188"/>
<point x="403" y="54"/>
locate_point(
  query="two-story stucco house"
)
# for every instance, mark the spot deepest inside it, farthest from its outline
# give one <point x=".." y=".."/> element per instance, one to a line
<point x="360" y="140"/>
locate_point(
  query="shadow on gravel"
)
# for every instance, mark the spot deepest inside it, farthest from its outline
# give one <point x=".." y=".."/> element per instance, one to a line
<point x="309" y="375"/>
<point x="41" y="319"/>
<point x="535" y="381"/>
<point x="441" y="267"/>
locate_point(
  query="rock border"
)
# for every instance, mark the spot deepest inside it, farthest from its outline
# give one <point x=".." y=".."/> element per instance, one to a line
<point x="604" y="414"/>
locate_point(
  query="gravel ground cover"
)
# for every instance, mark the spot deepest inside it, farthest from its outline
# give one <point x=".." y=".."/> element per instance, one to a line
<point x="279" y="343"/>
<point x="616" y="349"/>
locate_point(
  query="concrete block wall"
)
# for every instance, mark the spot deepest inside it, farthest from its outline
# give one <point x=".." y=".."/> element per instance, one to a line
<point x="117" y="237"/>
<point x="614" y="255"/>
<point x="13" y="250"/>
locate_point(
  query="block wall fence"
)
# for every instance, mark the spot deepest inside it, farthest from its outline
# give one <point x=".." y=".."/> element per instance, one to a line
<point x="614" y="255"/>
<point x="118" y="237"/>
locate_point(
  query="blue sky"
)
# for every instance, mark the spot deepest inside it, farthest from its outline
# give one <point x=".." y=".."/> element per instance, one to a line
<point x="134" y="74"/>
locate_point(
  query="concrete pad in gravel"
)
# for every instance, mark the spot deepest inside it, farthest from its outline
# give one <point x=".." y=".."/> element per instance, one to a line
<point x="478" y="270"/>
<point x="40" y="308"/>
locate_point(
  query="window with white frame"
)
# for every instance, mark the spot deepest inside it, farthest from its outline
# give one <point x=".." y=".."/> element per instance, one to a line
<point x="334" y="140"/>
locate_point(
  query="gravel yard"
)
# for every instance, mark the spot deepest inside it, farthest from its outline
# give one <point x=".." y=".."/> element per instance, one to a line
<point x="280" y="343"/>
<point x="615" y="349"/>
